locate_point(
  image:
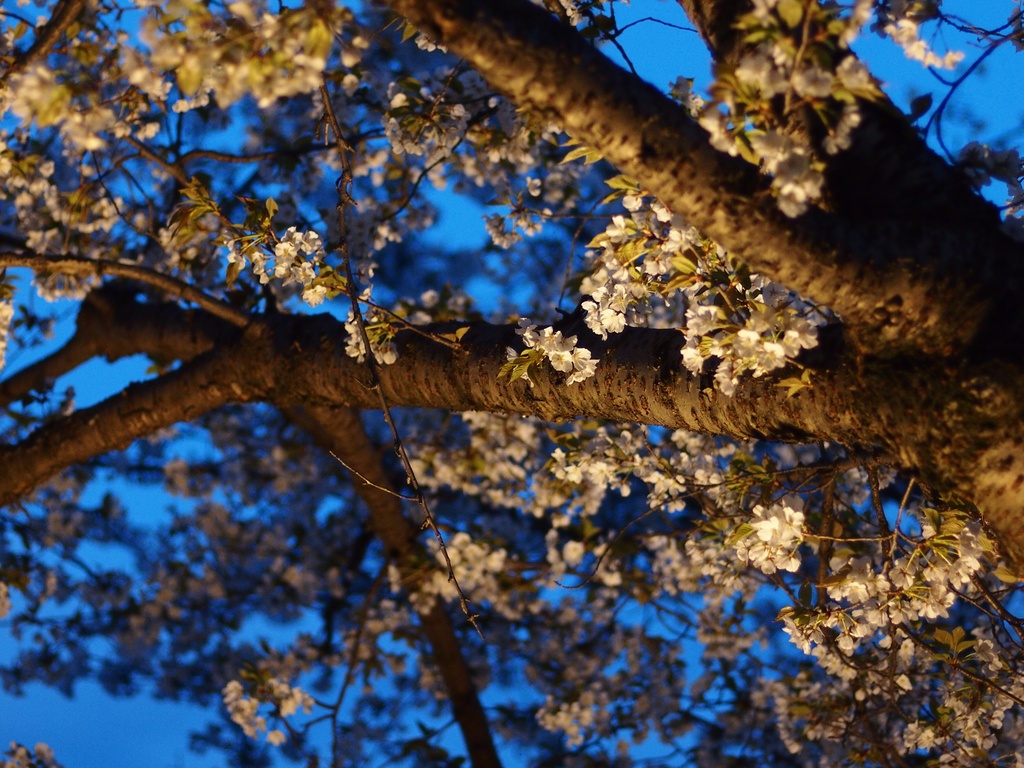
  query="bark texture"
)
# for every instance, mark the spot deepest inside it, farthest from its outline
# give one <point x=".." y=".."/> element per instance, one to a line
<point x="867" y="270"/>
<point x="957" y="430"/>
<point x="926" y="293"/>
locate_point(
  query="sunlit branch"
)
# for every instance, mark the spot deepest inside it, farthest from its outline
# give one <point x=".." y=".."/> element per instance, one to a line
<point x="867" y="271"/>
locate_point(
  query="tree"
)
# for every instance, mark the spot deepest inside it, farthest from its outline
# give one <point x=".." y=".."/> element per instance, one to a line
<point x="787" y="397"/>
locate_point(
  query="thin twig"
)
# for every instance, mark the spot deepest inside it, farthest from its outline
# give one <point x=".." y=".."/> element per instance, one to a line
<point x="81" y="266"/>
<point x="436" y="338"/>
<point x="370" y="483"/>
<point x="344" y="186"/>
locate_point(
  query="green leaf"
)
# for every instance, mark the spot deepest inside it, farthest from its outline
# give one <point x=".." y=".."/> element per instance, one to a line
<point x="683" y="264"/>
<point x="623" y="182"/>
<point x="234" y="269"/>
<point x="1006" y="576"/>
<point x="739" y="533"/>
<point x="319" y="40"/>
<point x="190" y="75"/>
<point x="53" y="106"/>
<point x="794" y="384"/>
<point x="457" y="335"/>
<point x="632" y="250"/>
<point x="791" y="12"/>
<point x="272" y="207"/>
<point x="588" y="154"/>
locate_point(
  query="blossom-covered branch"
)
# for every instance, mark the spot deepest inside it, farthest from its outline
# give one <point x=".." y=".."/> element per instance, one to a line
<point x="864" y="269"/>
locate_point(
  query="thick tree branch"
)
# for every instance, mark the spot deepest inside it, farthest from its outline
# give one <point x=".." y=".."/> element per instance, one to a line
<point x="296" y="361"/>
<point x="213" y="379"/>
<point x="871" y="273"/>
<point x="111" y="323"/>
<point x="341" y="431"/>
<point x="640" y="378"/>
<point x="957" y="428"/>
<point x="80" y="348"/>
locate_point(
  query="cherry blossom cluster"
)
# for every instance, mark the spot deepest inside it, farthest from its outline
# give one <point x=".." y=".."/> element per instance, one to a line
<point x="494" y="458"/>
<point x="244" y="710"/>
<point x="378" y="330"/>
<point x="771" y="540"/>
<point x="407" y="131"/>
<point x="873" y="602"/>
<point x="249" y="52"/>
<point x="547" y="344"/>
<point x="650" y="260"/>
<point x="901" y="20"/>
<point x="57" y="220"/>
<point x="297" y="256"/>
<point x="478" y="568"/>
<point x="765" y="339"/>
<point x="799" y="56"/>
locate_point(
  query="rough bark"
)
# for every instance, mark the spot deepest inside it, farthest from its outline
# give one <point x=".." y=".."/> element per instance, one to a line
<point x="929" y="302"/>
<point x="113" y="323"/>
<point x="865" y="270"/>
<point x="198" y="386"/>
<point x="299" y="361"/>
<point x="923" y="392"/>
<point x="908" y="409"/>
<point x="160" y="329"/>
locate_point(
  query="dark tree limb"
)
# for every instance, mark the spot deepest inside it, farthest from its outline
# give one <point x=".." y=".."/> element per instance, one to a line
<point x="65" y="13"/>
<point x="889" y="171"/>
<point x="113" y="324"/>
<point x="341" y="431"/>
<point x="956" y="427"/>
<point x="198" y="386"/>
